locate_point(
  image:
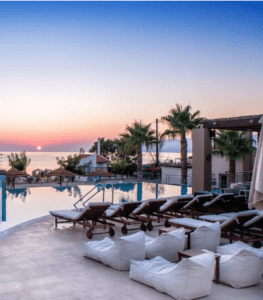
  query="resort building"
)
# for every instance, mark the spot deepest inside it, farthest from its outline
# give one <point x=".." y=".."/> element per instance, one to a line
<point x="92" y="162"/>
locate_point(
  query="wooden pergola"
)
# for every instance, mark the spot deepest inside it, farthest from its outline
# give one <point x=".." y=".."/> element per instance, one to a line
<point x="201" y="167"/>
<point x="237" y="123"/>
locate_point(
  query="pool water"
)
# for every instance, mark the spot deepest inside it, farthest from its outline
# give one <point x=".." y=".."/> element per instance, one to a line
<point x="22" y="205"/>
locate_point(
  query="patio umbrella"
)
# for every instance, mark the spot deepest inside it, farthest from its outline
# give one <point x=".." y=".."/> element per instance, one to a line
<point x="61" y="172"/>
<point x="15" y="173"/>
<point x="101" y="173"/>
<point x="256" y="189"/>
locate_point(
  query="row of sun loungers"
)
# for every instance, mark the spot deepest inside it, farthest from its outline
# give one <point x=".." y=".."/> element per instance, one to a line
<point x="234" y="226"/>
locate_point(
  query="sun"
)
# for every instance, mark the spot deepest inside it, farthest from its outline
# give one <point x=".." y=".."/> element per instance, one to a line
<point x="38" y="147"/>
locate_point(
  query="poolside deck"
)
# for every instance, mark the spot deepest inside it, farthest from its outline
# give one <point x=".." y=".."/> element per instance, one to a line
<point x="40" y="262"/>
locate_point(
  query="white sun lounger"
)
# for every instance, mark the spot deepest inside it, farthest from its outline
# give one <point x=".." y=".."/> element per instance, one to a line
<point x="94" y="212"/>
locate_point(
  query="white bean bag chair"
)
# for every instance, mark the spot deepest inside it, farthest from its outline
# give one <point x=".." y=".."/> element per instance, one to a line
<point x="206" y="237"/>
<point x="189" y="279"/>
<point x="241" y="270"/>
<point x="117" y="254"/>
<point x="236" y="247"/>
<point x="166" y="245"/>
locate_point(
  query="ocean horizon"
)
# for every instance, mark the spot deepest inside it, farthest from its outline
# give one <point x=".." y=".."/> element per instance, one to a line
<point x="47" y="160"/>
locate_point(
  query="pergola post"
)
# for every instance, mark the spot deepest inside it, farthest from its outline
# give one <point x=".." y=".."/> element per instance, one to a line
<point x="201" y="166"/>
<point x="248" y="162"/>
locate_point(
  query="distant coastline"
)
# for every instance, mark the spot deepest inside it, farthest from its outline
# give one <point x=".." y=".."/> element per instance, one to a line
<point x="47" y="160"/>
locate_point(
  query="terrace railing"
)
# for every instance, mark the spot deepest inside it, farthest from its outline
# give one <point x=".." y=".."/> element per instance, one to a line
<point x="243" y="177"/>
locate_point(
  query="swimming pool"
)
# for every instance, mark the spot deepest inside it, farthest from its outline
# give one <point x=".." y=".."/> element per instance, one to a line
<point x="22" y="205"/>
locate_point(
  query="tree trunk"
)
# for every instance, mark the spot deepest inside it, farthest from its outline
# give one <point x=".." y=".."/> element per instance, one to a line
<point x="183" y="160"/>
<point x="232" y="171"/>
<point x="139" y="162"/>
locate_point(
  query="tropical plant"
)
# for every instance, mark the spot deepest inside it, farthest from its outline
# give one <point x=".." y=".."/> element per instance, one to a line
<point x="118" y="165"/>
<point x="113" y="151"/>
<point x="180" y="122"/>
<point x="233" y="145"/>
<point x="107" y="147"/>
<point x="133" y="139"/>
<point x="19" y="162"/>
<point x="71" y="163"/>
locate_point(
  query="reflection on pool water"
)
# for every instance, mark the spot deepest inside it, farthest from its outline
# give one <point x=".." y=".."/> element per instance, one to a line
<point x="22" y="205"/>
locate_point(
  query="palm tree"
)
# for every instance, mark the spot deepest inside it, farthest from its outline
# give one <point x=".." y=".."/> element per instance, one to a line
<point x="135" y="136"/>
<point x="234" y="146"/>
<point x="181" y="121"/>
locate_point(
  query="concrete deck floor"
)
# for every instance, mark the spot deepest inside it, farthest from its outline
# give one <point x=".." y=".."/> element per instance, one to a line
<point x="40" y="262"/>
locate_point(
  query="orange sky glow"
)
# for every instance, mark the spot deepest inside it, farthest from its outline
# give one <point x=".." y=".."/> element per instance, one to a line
<point x="73" y="72"/>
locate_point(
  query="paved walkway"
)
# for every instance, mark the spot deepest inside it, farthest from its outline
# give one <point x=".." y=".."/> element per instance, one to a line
<point x="39" y="262"/>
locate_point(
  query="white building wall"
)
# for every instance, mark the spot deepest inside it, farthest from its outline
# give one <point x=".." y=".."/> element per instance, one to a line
<point x="88" y="160"/>
<point x="220" y="165"/>
<point x="92" y="160"/>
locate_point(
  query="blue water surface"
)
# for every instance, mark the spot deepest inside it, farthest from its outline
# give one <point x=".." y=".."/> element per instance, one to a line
<point x="24" y="204"/>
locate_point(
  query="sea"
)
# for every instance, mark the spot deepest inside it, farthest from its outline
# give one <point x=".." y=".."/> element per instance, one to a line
<point x="47" y="160"/>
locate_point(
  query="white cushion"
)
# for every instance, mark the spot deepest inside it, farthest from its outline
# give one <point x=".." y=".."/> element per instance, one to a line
<point x="189" y="279"/>
<point x="166" y="245"/>
<point x="171" y="200"/>
<point x="76" y="214"/>
<point x="196" y="199"/>
<point x="112" y="210"/>
<point x="241" y="270"/>
<point x="117" y="254"/>
<point x="206" y="237"/>
<point x="247" y="213"/>
<point x="190" y="222"/>
<point x="217" y="198"/>
<point x="213" y="218"/>
<point x="229" y="215"/>
<point x="68" y="214"/>
<point x="251" y="222"/>
<point x="139" y="209"/>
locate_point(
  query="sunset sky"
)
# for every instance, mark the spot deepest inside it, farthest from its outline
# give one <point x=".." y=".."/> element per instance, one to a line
<point x="71" y="72"/>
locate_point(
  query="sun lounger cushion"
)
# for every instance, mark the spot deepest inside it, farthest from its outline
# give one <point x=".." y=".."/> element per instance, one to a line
<point x="255" y="221"/>
<point x="196" y="200"/>
<point x="117" y="254"/>
<point x="77" y="215"/>
<point x="214" y="218"/>
<point x="111" y="211"/>
<point x="229" y="215"/>
<point x="171" y="200"/>
<point x="141" y="209"/>
<point x="241" y="270"/>
<point x="166" y="245"/>
<point x="189" y="279"/>
<point x="217" y="198"/>
<point x="189" y="222"/>
<point x="237" y="216"/>
<point x="123" y="209"/>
